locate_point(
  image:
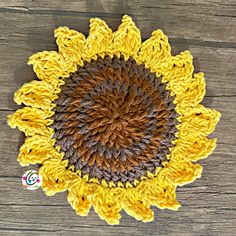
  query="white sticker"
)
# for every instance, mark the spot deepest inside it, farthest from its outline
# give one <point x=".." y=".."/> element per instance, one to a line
<point x="31" y="180"/>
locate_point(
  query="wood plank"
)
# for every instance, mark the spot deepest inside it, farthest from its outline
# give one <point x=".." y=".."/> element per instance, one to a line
<point x="199" y="208"/>
<point x="20" y="232"/>
<point x="33" y="33"/>
<point x="203" y="202"/>
<point x="221" y="163"/>
<point x="211" y="184"/>
<point x="218" y="177"/>
<point x="36" y="209"/>
<point x="11" y="139"/>
<point x="63" y="220"/>
<point x="201" y="20"/>
<point x="23" y="35"/>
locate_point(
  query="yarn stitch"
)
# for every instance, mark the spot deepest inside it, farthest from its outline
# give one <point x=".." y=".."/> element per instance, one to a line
<point x="114" y="121"/>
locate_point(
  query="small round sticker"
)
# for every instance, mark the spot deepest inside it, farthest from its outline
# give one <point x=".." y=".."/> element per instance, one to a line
<point x="31" y="180"/>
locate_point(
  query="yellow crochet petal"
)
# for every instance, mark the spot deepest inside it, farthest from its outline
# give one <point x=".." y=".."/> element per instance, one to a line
<point x="194" y="94"/>
<point x="51" y="66"/>
<point x="160" y="193"/>
<point x="168" y="199"/>
<point x="55" y="176"/>
<point x="193" y="149"/>
<point x="31" y="121"/>
<point x="37" y="149"/>
<point x="107" y="204"/>
<point x="99" y="40"/>
<point x="182" y="172"/>
<point x="198" y="121"/>
<point x="39" y="94"/>
<point x="127" y="39"/>
<point x="71" y="45"/>
<point x="154" y="52"/>
<point x="79" y="196"/>
<point x="178" y="72"/>
<point x="135" y="206"/>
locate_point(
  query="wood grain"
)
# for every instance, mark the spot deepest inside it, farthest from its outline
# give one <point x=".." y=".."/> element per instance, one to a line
<point x="206" y="28"/>
<point x="199" y="20"/>
<point x="20" y="41"/>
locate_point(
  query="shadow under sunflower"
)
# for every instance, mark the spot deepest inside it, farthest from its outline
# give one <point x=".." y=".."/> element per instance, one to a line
<point x="115" y="122"/>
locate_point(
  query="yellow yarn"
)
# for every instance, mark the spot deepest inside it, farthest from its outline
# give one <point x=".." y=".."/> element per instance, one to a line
<point x="196" y="121"/>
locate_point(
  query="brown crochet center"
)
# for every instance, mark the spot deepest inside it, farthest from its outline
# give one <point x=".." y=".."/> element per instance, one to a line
<point x="114" y="120"/>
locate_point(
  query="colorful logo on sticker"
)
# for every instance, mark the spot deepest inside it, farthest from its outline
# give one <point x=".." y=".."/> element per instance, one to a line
<point x="31" y="180"/>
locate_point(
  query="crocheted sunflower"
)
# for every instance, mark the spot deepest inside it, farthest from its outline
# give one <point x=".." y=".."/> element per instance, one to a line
<point x="114" y="121"/>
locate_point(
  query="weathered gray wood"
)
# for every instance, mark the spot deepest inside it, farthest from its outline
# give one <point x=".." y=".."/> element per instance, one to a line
<point x="225" y="132"/>
<point x="200" y="20"/>
<point x="206" y="28"/>
<point x="202" y="213"/>
<point x="207" y="204"/>
<point x="216" y="63"/>
<point x="27" y="27"/>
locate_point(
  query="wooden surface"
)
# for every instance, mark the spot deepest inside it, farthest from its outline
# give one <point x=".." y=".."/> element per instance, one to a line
<point x="207" y="28"/>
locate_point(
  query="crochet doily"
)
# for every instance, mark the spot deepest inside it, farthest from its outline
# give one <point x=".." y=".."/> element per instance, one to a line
<point x="114" y="121"/>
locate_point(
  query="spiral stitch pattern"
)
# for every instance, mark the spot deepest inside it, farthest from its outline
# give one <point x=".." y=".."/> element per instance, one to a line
<point x="114" y="120"/>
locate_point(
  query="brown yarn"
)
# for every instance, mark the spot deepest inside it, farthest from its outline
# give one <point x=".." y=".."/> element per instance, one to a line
<point x="114" y="120"/>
